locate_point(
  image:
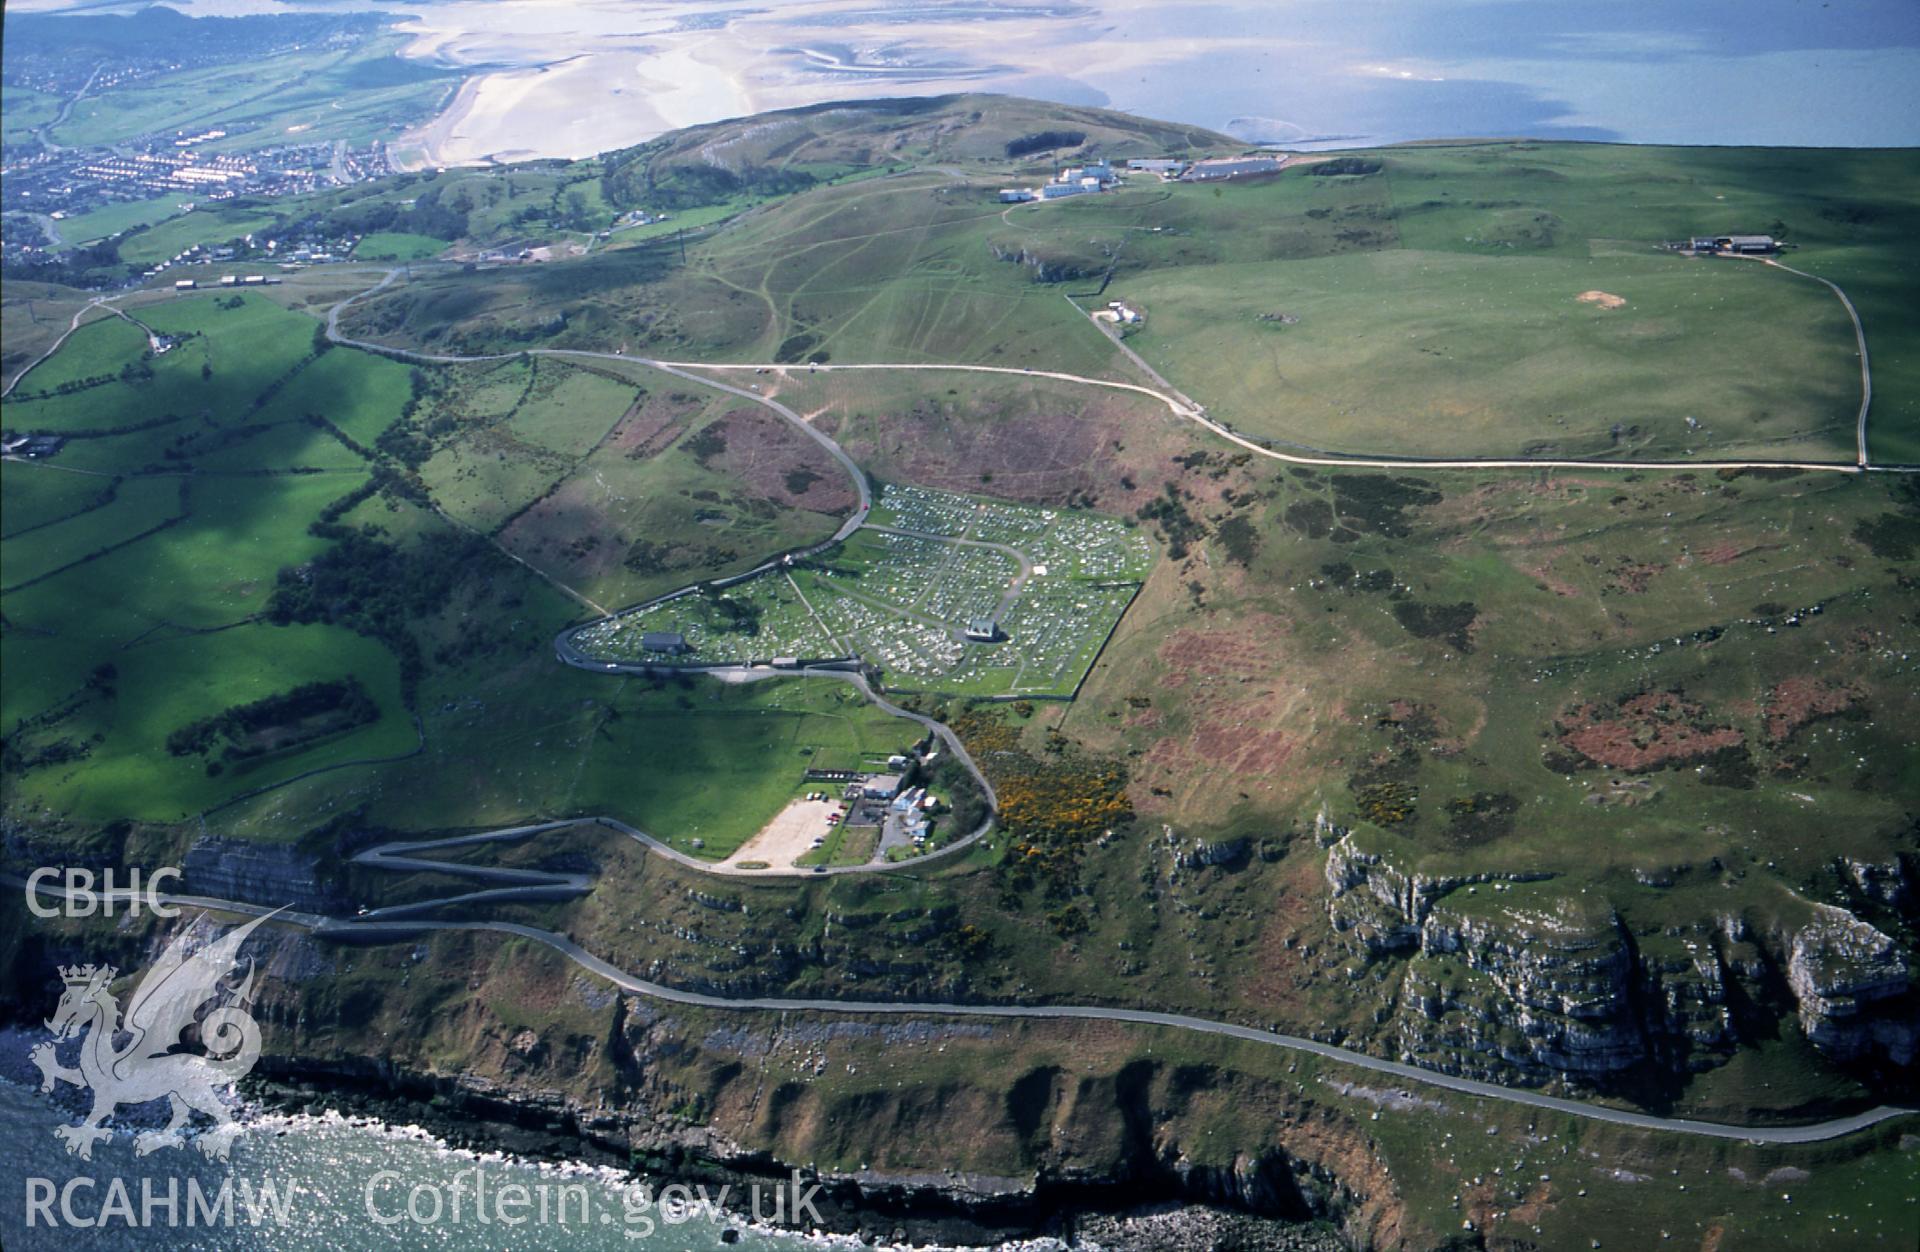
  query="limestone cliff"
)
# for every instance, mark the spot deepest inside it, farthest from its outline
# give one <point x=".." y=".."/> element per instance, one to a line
<point x="1853" y="985"/>
<point x="1519" y="976"/>
<point x="270" y="874"/>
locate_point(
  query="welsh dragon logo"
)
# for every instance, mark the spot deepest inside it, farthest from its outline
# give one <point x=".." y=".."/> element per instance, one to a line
<point x="145" y="1066"/>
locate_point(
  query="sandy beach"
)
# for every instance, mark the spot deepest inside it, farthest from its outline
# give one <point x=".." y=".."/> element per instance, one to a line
<point x="613" y="77"/>
<point x="551" y="78"/>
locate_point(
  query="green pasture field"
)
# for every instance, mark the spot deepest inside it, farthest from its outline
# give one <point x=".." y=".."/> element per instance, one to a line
<point x="32" y="316"/>
<point x="684" y="220"/>
<point x="1453" y="354"/>
<point x="737" y="755"/>
<point x="38" y="498"/>
<point x="168" y="682"/>
<point x="588" y="474"/>
<point x="112" y="219"/>
<point x="358" y="392"/>
<point x="139" y="505"/>
<point x="190" y="401"/>
<point x="289" y="444"/>
<point x="680" y="760"/>
<point x="25" y="110"/>
<point x="390" y="245"/>
<point x="571" y="411"/>
<point x="355" y="94"/>
<point x="166" y="614"/>
<point x="101" y="345"/>
<point x="209" y="224"/>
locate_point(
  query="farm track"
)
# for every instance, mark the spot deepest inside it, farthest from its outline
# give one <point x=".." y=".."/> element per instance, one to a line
<point x="1176" y="402"/>
<point x="520" y="884"/>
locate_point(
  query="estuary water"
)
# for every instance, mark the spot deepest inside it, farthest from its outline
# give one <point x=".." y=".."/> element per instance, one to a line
<point x="575" y="77"/>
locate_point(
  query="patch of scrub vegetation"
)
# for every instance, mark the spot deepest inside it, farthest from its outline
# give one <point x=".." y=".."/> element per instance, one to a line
<point x="289" y="719"/>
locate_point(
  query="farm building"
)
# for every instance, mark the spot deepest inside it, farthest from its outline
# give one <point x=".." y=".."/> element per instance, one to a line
<point x="1100" y="172"/>
<point x="1155" y="165"/>
<point x="1744" y="245"/>
<point x="881" y="787"/>
<point x="1015" y="195"/>
<point x="1230" y="167"/>
<point x="31" y="445"/>
<point x="671" y="642"/>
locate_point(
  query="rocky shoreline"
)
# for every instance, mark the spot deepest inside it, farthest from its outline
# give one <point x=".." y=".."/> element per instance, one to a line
<point x="1167" y="1214"/>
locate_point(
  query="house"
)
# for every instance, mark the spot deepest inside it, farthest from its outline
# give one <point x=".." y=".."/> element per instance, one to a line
<point x="671" y="642"/>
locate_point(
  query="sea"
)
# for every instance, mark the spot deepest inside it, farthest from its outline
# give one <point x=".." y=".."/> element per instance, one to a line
<point x="322" y="1183"/>
<point x="1299" y="73"/>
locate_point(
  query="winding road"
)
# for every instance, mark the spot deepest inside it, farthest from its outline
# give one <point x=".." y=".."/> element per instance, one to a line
<point x="387" y="926"/>
<point x="513" y="884"/>
<point x="397" y="856"/>
<point x="1177" y="403"/>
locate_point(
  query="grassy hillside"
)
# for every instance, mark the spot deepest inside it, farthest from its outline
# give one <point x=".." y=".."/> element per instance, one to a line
<point x="793" y="148"/>
<point x="1657" y="716"/>
<point x="1494" y="300"/>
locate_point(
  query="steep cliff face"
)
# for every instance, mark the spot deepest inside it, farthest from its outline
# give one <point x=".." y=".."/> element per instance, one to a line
<point x="1520" y="976"/>
<point x="1853" y="984"/>
<point x="1516" y="973"/>
<point x="1543" y="984"/>
<point x="271" y="874"/>
<point x="1391" y="905"/>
